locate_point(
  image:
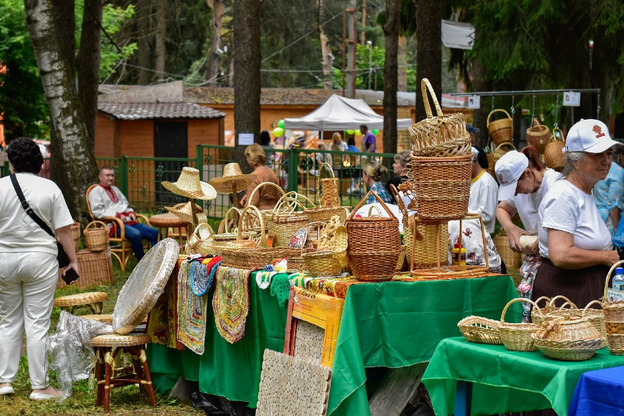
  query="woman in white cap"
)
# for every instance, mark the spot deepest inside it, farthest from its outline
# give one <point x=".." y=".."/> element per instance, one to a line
<point x="523" y="182"/>
<point x="574" y="241"/>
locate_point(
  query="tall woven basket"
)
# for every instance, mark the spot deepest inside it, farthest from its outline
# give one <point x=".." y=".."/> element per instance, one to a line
<point x="438" y="136"/>
<point x="501" y="130"/>
<point x="374" y="244"/>
<point x="538" y="135"/>
<point x="96" y="236"/>
<point x="441" y="186"/>
<point x="614" y="318"/>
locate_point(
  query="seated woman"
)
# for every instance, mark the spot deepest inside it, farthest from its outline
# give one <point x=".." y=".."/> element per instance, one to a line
<point x="374" y="174"/>
<point x="574" y="241"/>
<point x="267" y="196"/>
<point x="400" y="170"/>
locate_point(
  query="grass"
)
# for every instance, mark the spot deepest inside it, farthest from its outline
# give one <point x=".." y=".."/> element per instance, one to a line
<point x="124" y="400"/>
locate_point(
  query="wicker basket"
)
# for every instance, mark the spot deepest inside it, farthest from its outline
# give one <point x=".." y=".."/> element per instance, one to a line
<point x="441" y="186"/>
<point x="286" y="220"/>
<point x="201" y="241"/>
<point x="537" y="313"/>
<point x="322" y="263"/>
<point x="501" y="130"/>
<point x="496" y="154"/>
<point x="325" y="214"/>
<point x="257" y="258"/>
<point x="373" y="233"/>
<point x="553" y="153"/>
<point x="517" y="336"/>
<point x="425" y="252"/>
<point x="439" y="136"/>
<point x="75" y="229"/>
<point x="510" y="257"/>
<point x="538" y="135"/>
<point x="96" y="269"/>
<point x="568" y="337"/>
<point x="480" y="330"/>
<point x="596" y="318"/>
<point x="96" y="236"/>
<point x="614" y="318"/>
<point x="266" y="213"/>
<point x="569" y="350"/>
<point x="374" y="266"/>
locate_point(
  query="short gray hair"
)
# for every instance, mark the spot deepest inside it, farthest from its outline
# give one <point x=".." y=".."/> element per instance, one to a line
<point x="403" y="157"/>
<point x="568" y="162"/>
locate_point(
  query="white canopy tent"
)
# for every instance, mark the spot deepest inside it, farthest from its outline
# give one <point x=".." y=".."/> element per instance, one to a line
<point x="340" y="113"/>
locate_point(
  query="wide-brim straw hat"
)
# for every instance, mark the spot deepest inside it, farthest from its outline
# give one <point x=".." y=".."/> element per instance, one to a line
<point x="232" y="175"/>
<point x="189" y="185"/>
<point x="184" y="211"/>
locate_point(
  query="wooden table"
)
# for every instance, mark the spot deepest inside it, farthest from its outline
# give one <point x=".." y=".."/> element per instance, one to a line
<point x="170" y="221"/>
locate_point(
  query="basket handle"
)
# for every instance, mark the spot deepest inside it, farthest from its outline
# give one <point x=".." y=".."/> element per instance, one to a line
<point x="381" y="202"/>
<point x="424" y="86"/>
<point x="493" y="111"/>
<point x="611" y="270"/>
<point x="535" y="121"/>
<point x="551" y="304"/>
<point x="374" y="207"/>
<point x="546" y="298"/>
<point x="554" y="137"/>
<point x="291" y="199"/>
<point x="535" y="307"/>
<point x="239" y="237"/>
<point x="227" y="214"/>
<point x="261" y="185"/>
<point x="505" y="144"/>
<point x="329" y="167"/>
<point x="95" y="224"/>
<point x="589" y="304"/>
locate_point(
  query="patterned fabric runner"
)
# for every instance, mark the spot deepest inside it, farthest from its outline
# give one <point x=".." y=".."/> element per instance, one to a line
<point x="163" y="320"/>
<point x="192" y="312"/>
<point x="230" y="303"/>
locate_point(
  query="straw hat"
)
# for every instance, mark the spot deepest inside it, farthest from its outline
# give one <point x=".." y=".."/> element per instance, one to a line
<point x="184" y="211"/>
<point x="190" y="186"/>
<point x="232" y="174"/>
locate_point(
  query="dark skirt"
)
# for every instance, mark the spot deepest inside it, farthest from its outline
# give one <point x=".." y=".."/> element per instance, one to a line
<point x="581" y="286"/>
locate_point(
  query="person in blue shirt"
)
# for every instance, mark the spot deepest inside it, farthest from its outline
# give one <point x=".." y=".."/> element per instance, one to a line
<point x="374" y="176"/>
<point x="609" y="195"/>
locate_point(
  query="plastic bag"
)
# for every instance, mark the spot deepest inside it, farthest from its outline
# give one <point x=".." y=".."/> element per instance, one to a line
<point x="528" y="271"/>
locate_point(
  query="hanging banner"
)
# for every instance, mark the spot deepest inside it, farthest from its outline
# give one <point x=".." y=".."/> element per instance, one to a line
<point x="571" y="99"/>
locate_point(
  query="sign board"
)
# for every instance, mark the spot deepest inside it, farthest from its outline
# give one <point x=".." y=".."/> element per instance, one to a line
<point x="474" y="102"/>
<point x="245" y="139"/>
<point x="613" y="295"/>
<point x="571" y="99"/>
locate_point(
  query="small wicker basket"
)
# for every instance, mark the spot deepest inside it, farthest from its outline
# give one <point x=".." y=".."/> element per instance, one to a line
<point x="322" y="263"/>
<point x="286" y="220"/>
<point x="501" y="130"/>
<point x="480" y="330"/>
<point x="96" y="236"/>
<point x="614" y="318"/>
<point x="568" y="337"/>
<point x="517" y="336"/>
<point x="553" y="153"/>
<point x="538" y="135"/>
<point x="496" y="154"/>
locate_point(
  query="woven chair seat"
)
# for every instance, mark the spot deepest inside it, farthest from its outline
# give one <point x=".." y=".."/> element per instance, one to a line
<point x="80" y="299"/>
<point x="114" y="340"/>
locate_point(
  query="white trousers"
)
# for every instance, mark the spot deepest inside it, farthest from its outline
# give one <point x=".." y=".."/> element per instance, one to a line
<point x="27" y="284"/>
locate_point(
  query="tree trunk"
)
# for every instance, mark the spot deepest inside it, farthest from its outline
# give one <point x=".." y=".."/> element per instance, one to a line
<point x="50" y="24"/>
<point x="144" y="29"/>
<point x="391" y="75"/>
<point x="246" y="73"/>
<point x="88" y="65"/>
<point x="214" y="59"/>
<point x="429" y="53"/>
<point x="326" y="54"/>
<point x="161" y="35"/>
<point x="402" y="60"/>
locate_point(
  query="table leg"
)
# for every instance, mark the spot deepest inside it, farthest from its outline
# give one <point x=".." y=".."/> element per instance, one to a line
<point x="463" y="398"/>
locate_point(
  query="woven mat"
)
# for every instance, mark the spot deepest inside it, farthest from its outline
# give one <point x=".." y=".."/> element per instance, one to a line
<point x="164" y="320"/>
<point x="309" y="342"/>
<point x="292" y="386"/>
<point x="192" y="312"/>
<point x="230" y="302"/>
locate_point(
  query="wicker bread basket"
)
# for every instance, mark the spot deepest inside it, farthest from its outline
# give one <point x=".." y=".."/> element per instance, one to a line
<point x="538" y="136"/>
<point x="501" y="130"/>
<point x="517" y="336"/>
<point x="480" y="330"/>
<point x="439" y="136"/>
<point x="96" y="236"/>
<point x="568" y="337"/>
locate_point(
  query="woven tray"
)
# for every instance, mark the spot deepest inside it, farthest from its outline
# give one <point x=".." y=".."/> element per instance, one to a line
<point x="480" y="330"/>
<point x="80" y="299"/>
<point x="114" y="340"/>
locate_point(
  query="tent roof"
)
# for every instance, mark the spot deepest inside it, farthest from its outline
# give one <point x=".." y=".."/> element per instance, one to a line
<point x="340" y="113"/>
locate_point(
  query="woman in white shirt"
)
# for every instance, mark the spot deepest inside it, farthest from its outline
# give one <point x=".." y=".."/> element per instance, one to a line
<point x="574" y="241"/>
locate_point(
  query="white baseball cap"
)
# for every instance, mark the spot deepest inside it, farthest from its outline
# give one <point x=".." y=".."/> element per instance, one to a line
<point x="591" y="136"/>
<point x="508" y="170"/>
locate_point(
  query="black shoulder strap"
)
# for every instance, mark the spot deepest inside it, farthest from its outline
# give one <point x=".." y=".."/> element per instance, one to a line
<point x="27" y="208"/>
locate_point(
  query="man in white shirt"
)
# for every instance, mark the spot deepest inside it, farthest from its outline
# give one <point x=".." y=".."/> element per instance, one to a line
<point x="106" y="200"/>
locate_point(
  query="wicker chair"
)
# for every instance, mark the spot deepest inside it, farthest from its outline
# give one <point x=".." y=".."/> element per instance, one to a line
<point x="120" y="245"/>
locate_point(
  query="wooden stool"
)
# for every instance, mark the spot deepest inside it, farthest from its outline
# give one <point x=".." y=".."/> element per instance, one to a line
<point x="91" y="300"/>
<point x="106" y="348"/>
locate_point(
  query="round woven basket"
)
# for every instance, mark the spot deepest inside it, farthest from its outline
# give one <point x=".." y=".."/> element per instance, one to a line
<point x="553" y="153"/>
<point x="441" y="186"/>
<point x="480" y="330"/>
<point x="510" y="257"/>
<point x="614" y="318"/>
<point x="538" y="135"/>
<point x="517" y="336"/>
<point x="96" y="236"/>
<point x="501" y="130"/>
<point x="322" y="263"/>
<point x="438" y="136"/>
<point x="579" y="350"/>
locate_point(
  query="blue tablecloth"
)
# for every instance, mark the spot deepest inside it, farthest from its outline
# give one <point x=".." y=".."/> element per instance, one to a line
<point x="599" y="393"/>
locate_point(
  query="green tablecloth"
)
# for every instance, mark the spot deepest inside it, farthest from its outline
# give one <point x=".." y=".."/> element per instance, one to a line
<point x="505" y="381"/>
<point x="389" y="324"/>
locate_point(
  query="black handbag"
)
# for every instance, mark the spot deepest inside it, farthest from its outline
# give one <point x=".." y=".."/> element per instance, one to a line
<point x="63" y="259"/>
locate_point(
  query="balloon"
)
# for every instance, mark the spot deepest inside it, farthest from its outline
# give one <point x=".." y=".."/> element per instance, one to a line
<point x="375" y="132"/>
<point x="358" y="132"/>
<point x="350" y="131"/>
<point x="278" y="131"/>
<point x="280" y="124"/>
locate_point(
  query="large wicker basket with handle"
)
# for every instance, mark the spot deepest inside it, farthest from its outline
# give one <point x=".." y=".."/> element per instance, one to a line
<point x="439" y="136"/>
<point x="96" y="236"/>
<point x="538" y="135"/>
<point x="501" y="130"/>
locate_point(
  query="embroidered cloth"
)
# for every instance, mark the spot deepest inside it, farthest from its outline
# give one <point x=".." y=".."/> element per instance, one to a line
<point x="163" y="321"/>
<point x="192" y="311"/>
<point x="230" y="302"/>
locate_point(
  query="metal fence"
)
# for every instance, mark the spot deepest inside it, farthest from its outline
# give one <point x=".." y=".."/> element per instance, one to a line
<point x="140" y="178"/>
